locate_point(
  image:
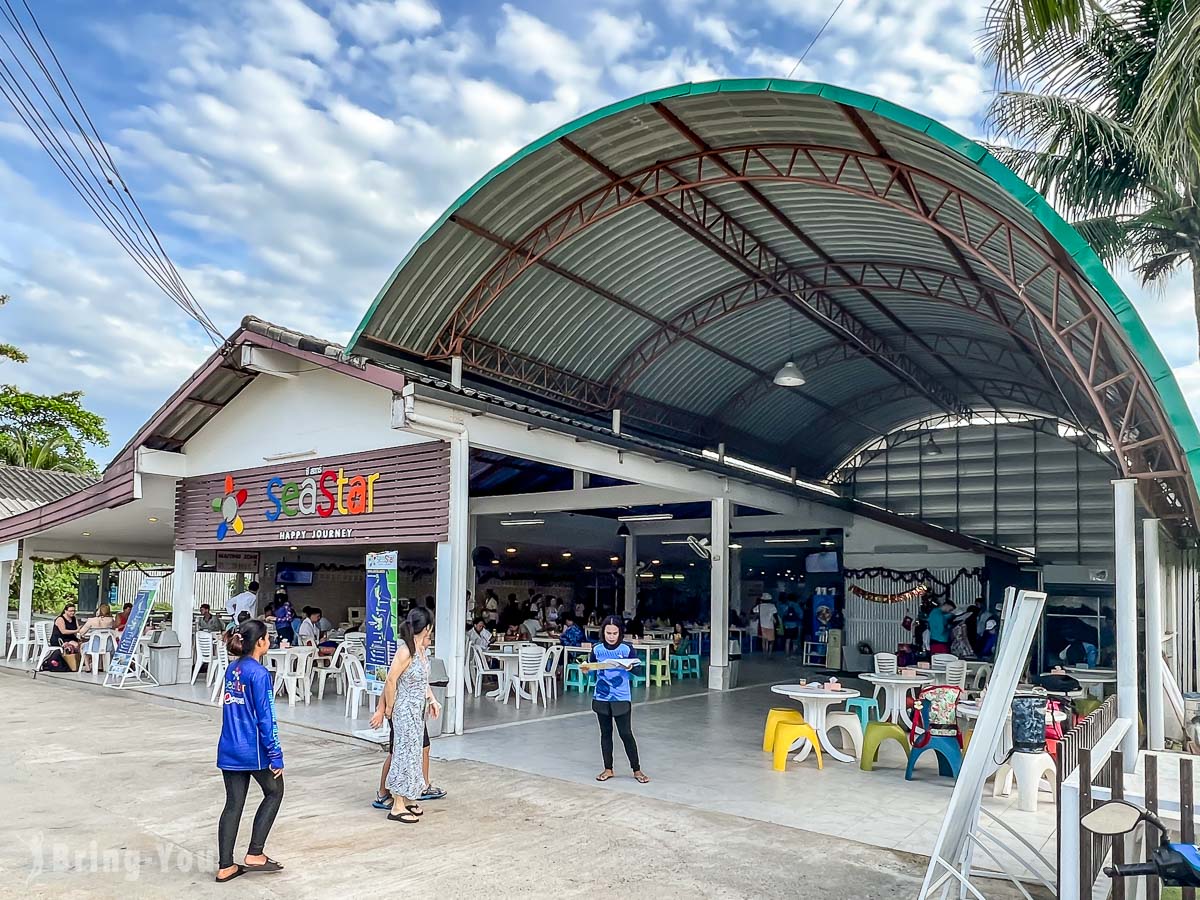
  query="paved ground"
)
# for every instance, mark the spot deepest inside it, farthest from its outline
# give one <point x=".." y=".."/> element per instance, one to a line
<point x="110" y="795"/>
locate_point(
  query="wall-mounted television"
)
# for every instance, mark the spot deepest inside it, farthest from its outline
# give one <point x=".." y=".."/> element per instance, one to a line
<point x="294" y="573"/>
<point x="821" y="562"/>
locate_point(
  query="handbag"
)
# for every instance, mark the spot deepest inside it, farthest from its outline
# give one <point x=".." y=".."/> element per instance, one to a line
<point x="72" y="661"/>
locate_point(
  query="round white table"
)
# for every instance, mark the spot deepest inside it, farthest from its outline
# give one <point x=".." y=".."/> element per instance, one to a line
<point x="509" y="660"/>
<point x="895" y="691"/>
<point x="815" y="702"/>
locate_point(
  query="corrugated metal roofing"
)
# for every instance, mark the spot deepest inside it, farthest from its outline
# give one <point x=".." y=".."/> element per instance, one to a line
<point x="24" y="489"/>
<point x="599" y="268"/>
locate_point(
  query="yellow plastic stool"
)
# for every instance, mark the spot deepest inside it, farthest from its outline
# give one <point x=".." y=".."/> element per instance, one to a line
<point x="876" y="734"/>
<point x="775" y="717"/>
<point x="660" y="671"/>
<point x="786" y="734"/>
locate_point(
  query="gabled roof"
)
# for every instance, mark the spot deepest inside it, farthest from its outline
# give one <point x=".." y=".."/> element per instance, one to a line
<point x="667" y="254"/>
<point x="24" y="489"/>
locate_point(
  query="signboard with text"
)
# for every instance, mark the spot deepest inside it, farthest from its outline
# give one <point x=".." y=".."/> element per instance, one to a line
<point x="237" y="561"/>
<point x="390" y="496"/>
<point x="381" y="614"/>
<point x="124" y="664"/>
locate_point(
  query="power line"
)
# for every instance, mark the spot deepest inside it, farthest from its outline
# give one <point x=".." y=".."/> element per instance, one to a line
<point x="57" y="121"/>
<point x="816" y="37"/>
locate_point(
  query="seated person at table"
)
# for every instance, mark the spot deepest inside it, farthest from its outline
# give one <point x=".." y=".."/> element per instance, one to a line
<point x="208" y="621"/>
<point x="103" y="620"/>
<point x="65" y="633"/>
<point x="679" y="639"/>
<point x="243" y="616"/>
<point x="514" y="633"/>
<point x="478" y="635"/>
<point x="310" y="628"/>
<point x="572" y="635"/>
<point x="123" y="618"/>
<point x="531" y="627"/>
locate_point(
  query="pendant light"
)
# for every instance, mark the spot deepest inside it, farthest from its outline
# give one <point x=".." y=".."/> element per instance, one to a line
<point x="931" y="448"/>
<point x="789" y="375"/>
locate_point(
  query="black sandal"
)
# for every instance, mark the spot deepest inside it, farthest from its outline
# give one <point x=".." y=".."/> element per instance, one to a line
<point x="221" y="879"/>
<point x="404" y="818"/>
<point x="414" y="809"/>
<point x="269" y="866"/>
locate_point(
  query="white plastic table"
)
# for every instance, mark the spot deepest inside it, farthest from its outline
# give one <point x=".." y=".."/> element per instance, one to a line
<point x="895" y="690"/>
<point x="815" y="702"/>
<point x="509" y="660"/>
<point x="1093" y="680"/>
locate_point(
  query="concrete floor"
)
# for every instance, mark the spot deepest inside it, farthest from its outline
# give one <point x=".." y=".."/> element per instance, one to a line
<point x="111" y="794"/>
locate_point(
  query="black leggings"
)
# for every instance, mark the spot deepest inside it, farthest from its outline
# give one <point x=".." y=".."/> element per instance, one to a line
<point x="621" y="711"/>
<point x="237" y="784"/>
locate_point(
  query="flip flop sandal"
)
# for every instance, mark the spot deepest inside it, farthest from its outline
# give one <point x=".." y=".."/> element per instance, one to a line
<point x="642" y="778"/>
<point x="221" y="879"/>
<point x="603" y="776"/>
<point x="269" y="866"/>
<point x="404" y="818"/>
<point x="415" y="809"/>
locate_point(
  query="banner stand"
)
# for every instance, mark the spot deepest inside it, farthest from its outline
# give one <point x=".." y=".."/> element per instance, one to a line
<point x="124" y="668"/>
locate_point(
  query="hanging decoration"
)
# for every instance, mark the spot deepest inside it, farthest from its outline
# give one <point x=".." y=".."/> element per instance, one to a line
<point x="911" y="594"/>
<point x="934" y="586"/>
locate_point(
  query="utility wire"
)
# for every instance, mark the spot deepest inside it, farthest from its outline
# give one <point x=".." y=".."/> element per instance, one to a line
<point x="816" y="37"/>
<point x="57" y="121"/>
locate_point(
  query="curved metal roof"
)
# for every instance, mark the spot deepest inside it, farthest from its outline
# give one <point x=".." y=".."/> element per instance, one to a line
<point x="667" y="254"/>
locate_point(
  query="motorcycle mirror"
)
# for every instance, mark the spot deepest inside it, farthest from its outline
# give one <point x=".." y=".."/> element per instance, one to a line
<point x="1112" y="818"/>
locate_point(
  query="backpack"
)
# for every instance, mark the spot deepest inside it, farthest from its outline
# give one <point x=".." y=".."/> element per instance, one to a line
<point x="54" y="662"/>
<point x="1057" y="684"/>
<point x="935" y="713"/>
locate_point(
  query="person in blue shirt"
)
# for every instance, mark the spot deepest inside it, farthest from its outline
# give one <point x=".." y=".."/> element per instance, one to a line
<point x="249" y="748"/>
<point x="939" y="620"/>
<point x="572" y="635"/>
<point x="612" y="702"/>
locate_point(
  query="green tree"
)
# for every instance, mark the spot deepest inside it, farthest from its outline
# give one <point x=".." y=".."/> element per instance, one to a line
<point x="1101" y="113"/>
<point x="46" y="431"/>
<point x="54" y="584"/>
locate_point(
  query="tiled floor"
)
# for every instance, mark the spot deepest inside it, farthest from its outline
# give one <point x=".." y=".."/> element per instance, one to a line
<point x="702" y="749"/>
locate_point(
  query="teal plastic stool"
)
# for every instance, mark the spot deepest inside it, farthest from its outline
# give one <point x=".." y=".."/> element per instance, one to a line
<point x="685" y="664"/>
<point x="862" y="707"/>
<point x="576" y="680"/>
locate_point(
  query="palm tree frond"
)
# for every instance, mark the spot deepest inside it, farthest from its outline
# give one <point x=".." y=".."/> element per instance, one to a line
<point x="1014" y="29"/>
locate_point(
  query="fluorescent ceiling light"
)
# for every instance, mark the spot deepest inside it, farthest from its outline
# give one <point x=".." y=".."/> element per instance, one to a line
<point x="295" y="454"/>
<point x="522" y="521"/>
<point x="779" y="556"/>
<point x="646" y="517"/>
<point x="735" y="546"/>
<point x="674" y="543"/>
<point x="545" y="565"/>
<point x="795" y="540"/>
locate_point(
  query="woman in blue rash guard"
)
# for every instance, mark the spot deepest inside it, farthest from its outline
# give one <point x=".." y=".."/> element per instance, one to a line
<point x="249" y="748"/>
<point x="612" y="702"/>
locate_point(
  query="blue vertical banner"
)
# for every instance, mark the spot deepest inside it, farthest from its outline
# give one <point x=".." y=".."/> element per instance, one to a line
<point x="381" y="614"/>
<point x="124" y="660"/>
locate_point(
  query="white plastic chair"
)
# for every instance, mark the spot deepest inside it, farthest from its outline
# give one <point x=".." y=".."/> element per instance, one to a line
<point x="204" y="653"/>
<point x="885" y="664"/>
<point x="216" y="672"/>
<point x="550" y="682"/>
<point x="482" y="671"/>
<point x="98" y="647"/>
<point x="356" y="684"/>
<point x="334" y="666"/>
<point x="983" y="675"/>
<point x="956" y="675"/>
<point x="356" y="644"/>
<point x="296" y="673"/>
<point x="531" y="670"/>
<point x="41" y="642"/>
<point x="941" y="660"/>
<point x="20" y="637"/>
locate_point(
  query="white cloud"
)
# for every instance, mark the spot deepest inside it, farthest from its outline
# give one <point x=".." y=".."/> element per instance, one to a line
<point x="376" y="21"/>
<point x="718" y="31"/>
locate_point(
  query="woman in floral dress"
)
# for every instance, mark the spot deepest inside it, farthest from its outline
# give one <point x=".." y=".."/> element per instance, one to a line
<point x="404" y="697"/>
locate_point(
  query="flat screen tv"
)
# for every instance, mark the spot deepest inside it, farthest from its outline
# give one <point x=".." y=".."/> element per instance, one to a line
<point x="294" y="573"/>
<point x="821" y="562"/>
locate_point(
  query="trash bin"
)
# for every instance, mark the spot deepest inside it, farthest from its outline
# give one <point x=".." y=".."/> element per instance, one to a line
<point x="735" y="661"/>
<point x="438" y="679"/>
<point x="164" y="656"/>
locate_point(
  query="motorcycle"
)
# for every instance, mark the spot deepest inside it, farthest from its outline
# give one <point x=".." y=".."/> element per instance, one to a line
<point x="1177" y="865"/>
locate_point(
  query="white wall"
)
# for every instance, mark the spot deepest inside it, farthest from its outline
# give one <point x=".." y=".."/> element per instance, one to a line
<point x="317" y="410"/>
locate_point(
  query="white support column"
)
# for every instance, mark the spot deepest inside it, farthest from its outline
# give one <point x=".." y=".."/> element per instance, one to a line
<point x="631" y="575"/>
<point x="25" y="602"/>
<point x="183" y="604"/>
<point x="5" y="581"/>
<point x="453" y="561"/>
<point x="718" y="659"/>
<point x="1155" y="723"/>
<point x="1125" y="539"/>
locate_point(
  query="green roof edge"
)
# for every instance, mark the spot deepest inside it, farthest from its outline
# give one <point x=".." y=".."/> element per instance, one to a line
<point x="1179" y="416"/>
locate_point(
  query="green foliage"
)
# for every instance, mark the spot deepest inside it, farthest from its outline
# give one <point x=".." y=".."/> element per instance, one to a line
<point x="1107" y="121"/>
<point x="54" y="584"/>
<point x="42" y="431"/>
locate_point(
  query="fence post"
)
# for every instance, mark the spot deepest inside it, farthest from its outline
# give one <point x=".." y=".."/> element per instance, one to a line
<point x="1187" y="813"/>
<point x="1086" y="877"/>
<point x="1153" y="886"/>
<point x="1116" y="771"/>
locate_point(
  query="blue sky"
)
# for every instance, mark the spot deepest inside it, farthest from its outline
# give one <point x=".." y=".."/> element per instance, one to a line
<point x="289" y="154"/>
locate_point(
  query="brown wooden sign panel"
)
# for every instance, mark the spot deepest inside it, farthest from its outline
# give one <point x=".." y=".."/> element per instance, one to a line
<point x="399" y="495"/>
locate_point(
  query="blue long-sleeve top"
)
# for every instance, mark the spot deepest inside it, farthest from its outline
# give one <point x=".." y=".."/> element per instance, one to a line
<point x="249" y="733"/>
<point x="613" y="684"/>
